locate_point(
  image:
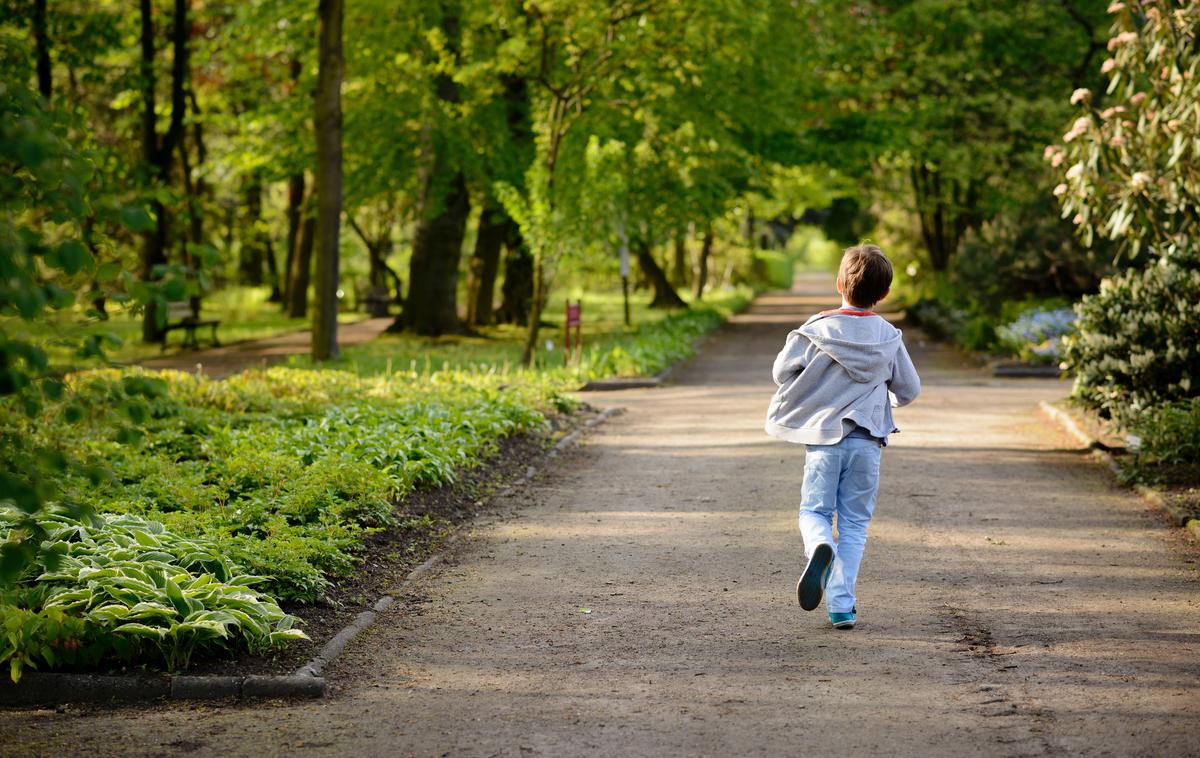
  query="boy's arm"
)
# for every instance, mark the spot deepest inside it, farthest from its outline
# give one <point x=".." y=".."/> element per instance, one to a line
<point x="904" y="385"/>
<point x="792" y="358"/>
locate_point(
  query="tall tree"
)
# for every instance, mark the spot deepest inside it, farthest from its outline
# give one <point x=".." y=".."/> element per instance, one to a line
<point x="328" y="128"/>
<point x="443" y="207"/>
<point x="495" y="226"/>
<point x="292" y="214"/>
<point x="702" y="262"/>
<point x="158" y="152"/>
<point x="300" y="271"/>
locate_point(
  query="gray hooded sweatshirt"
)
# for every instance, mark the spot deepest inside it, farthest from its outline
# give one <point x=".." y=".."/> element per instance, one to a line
<point x="837" y="371"/>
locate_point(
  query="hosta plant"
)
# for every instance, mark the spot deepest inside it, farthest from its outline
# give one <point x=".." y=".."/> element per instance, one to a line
<point x="129" y="586"/>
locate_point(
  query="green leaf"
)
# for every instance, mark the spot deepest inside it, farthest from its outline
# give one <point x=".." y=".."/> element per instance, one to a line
<point x="136" y="219"/>
<point x="74" y="257"/>
<point x="140" y="630"/>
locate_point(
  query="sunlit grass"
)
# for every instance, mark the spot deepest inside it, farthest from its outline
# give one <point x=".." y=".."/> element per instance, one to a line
<point x="609" y="346"/>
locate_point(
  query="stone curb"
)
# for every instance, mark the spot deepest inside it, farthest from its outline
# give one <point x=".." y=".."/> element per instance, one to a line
<point x="37" y="688"/>
<point x="1027" y="371"/>
<point x="44" y="689"/>
<point x="1180" y="516"/>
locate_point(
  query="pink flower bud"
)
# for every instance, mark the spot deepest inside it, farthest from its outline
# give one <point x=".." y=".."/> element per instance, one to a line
<point x="1121" y="39"/>
<point x="1108" y="65"/>
<point x="1137" y="98"/>
<point x="1081" y="95"/>
<point x="1060" y="190"/>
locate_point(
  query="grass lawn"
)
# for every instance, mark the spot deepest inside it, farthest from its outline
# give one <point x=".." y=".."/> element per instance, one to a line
<point x="609" y="347"/>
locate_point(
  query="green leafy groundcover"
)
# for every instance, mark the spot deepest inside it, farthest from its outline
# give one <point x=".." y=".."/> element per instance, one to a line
<point x="124" y="587"/>
<point x="271" y="479"/>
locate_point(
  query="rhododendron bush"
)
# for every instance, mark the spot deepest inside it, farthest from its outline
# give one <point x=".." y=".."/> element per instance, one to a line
<point x="1129" y="163"/>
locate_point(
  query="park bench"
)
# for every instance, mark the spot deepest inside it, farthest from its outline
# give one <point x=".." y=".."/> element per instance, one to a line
<point x="185" y="314"/>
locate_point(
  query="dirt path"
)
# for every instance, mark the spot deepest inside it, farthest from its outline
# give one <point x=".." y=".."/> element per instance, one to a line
<point x="219" y="362"/>
<point x="640" y="601"/>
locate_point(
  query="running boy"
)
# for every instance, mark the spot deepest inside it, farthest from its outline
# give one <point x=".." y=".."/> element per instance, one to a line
<point x="835" y="376"/>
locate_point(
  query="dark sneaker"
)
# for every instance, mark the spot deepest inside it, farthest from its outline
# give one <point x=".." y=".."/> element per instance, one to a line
<point x="811" y="586"/>
<point x="844" y="620"/>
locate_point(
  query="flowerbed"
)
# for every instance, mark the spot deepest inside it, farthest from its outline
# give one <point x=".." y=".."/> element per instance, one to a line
<point x="190" y="513"/>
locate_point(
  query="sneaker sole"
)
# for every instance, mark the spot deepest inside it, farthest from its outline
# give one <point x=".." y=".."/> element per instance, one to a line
<point x="810" y="587"/>
<point x="844" y="625"/>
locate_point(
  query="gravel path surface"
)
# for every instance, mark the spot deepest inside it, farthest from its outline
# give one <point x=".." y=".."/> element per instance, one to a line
<point x="639" y="600"/>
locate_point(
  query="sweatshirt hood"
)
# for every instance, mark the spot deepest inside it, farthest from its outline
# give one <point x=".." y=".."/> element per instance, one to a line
<point x="856" y="345"/>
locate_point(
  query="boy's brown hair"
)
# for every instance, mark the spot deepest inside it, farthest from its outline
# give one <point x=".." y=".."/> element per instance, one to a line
<point x="865" y="274"/>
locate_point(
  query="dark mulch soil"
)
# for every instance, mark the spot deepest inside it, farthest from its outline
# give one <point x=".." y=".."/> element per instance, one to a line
<point x="390" y="555"/>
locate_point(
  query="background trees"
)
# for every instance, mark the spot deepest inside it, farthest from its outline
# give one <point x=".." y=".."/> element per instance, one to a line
<point x="728" y="126"/>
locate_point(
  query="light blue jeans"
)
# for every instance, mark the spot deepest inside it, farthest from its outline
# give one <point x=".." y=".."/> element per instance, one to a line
<point x="842" y="479"/>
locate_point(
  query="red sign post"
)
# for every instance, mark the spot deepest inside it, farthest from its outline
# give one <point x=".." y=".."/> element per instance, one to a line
<point x="574" y="321"/>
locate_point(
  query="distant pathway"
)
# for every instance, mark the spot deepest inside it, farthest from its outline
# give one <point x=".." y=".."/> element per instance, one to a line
<point x="222" y="361"/>
<point x="638" y="600"/>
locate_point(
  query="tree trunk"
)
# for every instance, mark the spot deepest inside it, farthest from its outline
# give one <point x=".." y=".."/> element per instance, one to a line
<point x="702" y="264"/>
<point x="193" y="188"/>
<point x="296" y="302"/>
<point x="252" y="257"/>
<point x="494" y="229"/>
<point x="431" y="307"/>
<point x="517" y="290"/>
<point x="273" y="272"/>
<point x="328" y="127"/>
<point x="295" y="201"/>
<point x="679" y="271"/>
<point x="157" y="154"/>
<point x="41" y="42"/>
<point x="944" y="215"/>
<point x="664" y="294"/>
<point x="379" y="248"/>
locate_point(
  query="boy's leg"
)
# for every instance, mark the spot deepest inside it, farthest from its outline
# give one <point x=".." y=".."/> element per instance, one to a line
<point x="857" y="489"/>
<point x="818" y="501"/>
<point x="818" y="495"/>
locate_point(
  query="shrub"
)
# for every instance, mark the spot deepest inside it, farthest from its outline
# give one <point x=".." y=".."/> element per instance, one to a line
<point x="1137" y="344"/>
<point x="1170" y="433"/>
<point x="773" y="269"/>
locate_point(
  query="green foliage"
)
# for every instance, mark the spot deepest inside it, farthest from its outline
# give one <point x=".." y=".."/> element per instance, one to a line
<point x="1026" y="252"/>
<point x="48" y="637"/>
<point x="774" y="269"/>
<point x="1137" y="346"/>
<point x="1170" y="433"/>
<point x="126" y="586"/>
<point x="652" y="348"/>
<point x="942" y="108"/>
<point x="1129" y="156"/>
<point x="284" y="469"/>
